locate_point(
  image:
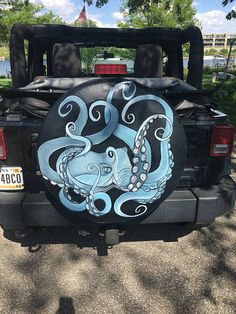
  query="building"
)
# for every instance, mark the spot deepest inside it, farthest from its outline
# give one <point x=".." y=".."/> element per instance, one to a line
<point x="218" y="41"/>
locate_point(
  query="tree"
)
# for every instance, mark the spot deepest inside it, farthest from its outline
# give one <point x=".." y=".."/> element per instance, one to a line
<point x="20" y="11"/>
<point x="85" y="23"/>
<point x="123" y="53"/>
<point x="168" y="13"/>
<point x="98" y="3"/>
<point x="87" y="54"/>
<point x="224" y="52"/>
<point x="232" y="13"/>
<point x="212" y="52"/>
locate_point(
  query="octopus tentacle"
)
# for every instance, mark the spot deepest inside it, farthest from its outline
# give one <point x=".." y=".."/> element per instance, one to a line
<point x="140" y="162"/>
<point x="68" y="203"/>
<point x="154" y="186"/>
<point x="88" y="203"/>
<point x="128" y="89"/>
<point x="92" y="197"/>
<point x="92" y="208"/>
<point x="74" y="129"/>
<point x="129" y="196"/>
<point x="141" y="166"/>
<point x="167" y="132"/>
<point x="67" y="104"/>
<point x="112" y="117"/>
<point x="146" y="194"/>
<point x="139" y="99"/>
<point x="63" y="170"/>
<point x="139" y="144"/>
<point x="48" y="148"/>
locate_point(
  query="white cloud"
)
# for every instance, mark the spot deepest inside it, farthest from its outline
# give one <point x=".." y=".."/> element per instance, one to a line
<point x="215" y="22"/>
<point x="101" y="24"/>
<point x="97" y="19"/>
<point x="64" y="8"/>
<point x="67" y="9"/>
<point x="195" y="3"/>
<point x="118" y="15"/>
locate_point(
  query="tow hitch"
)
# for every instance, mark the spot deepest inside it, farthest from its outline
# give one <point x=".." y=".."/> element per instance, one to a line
<point x="112" y="236"/>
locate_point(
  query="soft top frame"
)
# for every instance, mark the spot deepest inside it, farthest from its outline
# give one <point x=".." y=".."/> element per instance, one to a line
<point x="41" y="39"/>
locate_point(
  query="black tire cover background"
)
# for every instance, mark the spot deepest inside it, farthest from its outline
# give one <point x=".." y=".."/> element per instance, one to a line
<point x="132" y="210"/>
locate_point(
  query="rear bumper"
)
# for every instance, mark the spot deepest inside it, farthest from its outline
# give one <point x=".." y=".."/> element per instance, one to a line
<point x="199" y="205"/>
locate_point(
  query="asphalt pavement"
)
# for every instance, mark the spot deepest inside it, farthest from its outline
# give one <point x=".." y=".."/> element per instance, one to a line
<point x="173" y="271"/>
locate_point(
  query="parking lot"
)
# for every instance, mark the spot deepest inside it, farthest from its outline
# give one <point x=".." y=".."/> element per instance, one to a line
<point x="173" y="271"/>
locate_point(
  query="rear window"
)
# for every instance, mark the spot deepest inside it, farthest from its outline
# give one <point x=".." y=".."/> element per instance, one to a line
<point x="93" y="56"/>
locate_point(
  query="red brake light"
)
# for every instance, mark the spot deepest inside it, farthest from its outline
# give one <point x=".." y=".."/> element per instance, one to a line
<point x="3" y="147"/>
<point x="222" y="140"/>
<point x="107" y="69"/>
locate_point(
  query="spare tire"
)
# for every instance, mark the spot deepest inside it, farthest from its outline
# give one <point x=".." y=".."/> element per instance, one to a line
<point x="111" y="151"/>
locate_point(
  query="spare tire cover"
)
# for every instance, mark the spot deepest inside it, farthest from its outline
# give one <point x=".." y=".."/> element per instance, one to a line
<point x="111" y="151"/>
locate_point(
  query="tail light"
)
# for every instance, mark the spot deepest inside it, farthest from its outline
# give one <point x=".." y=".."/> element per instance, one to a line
<point x="108" y="69"/>
<point x="222" y="140"/>
<point x="3" y="147"/>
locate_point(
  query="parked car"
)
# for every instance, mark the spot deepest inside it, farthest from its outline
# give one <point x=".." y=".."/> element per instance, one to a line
<point x="108" y="149"/>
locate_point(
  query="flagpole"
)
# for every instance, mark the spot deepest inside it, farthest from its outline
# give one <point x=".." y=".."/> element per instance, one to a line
<point x="86" y="7"/>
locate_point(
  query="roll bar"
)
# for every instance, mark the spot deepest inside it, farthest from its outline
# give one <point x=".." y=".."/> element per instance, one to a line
<point x="41" y="39"/>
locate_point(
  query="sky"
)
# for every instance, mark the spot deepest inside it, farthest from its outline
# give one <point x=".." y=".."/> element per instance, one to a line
<point x="210" y="13"/>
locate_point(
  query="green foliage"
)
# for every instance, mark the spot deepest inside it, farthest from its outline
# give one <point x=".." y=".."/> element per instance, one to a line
<point x="232" y="13"/>
<point x="224" y="52"/>
<point x="225" y="96"/>
<point x="98" y="3"/>
<point x="225" y="2"/>
<point x="86" y="23"/>
<point x="87" y="54"/>
<point x="186" y="49"/>
<point x="209" y="70"/>
<point x="123" y="53"/>
<point x="134" y="5"/>
<point x="4" y="52"/>
<point x="212" y="52"/>
<point x="167" y="13"/>
<point x="18" y="11"/>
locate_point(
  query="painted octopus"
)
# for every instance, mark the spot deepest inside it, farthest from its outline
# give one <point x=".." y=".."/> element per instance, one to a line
<point x="91" y="174"/>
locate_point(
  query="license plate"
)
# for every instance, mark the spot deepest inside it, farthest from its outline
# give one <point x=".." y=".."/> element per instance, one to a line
<point x="11" y="178"/>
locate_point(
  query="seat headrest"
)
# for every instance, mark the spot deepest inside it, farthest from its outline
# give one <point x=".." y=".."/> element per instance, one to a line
<point x="66" y="60"/>
<point x="148" y="61"/>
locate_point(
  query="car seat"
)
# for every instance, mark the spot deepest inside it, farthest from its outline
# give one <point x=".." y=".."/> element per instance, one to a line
<point x="66" y="61"/>
<point x="148" y="61"/>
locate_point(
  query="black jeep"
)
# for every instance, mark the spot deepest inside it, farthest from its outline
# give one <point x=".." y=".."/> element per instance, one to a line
<point x="112" y="148"/>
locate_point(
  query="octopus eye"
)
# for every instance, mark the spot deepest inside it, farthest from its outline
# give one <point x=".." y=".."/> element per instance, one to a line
<point x="111" y="155"/>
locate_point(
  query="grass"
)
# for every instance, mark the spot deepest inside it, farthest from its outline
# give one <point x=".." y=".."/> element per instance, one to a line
<point x="5" y="83"/>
